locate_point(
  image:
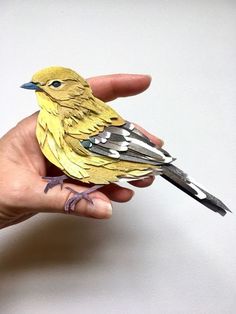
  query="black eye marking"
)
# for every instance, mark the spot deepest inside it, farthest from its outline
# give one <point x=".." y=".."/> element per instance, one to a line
<point x="56" y="84"/>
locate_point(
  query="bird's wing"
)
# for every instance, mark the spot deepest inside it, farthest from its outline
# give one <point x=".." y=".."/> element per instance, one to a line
<point x="127" y="143"/>
<point x="101" y="131"/>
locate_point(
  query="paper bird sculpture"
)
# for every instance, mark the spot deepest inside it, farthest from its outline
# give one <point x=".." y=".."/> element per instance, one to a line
<point x="92" y="143"/>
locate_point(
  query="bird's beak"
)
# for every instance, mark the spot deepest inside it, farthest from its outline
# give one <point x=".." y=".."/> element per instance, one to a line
<point x="32" y="86"/>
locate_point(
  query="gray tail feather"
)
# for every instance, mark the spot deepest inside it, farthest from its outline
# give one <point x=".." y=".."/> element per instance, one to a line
<point x="180" y="179"/>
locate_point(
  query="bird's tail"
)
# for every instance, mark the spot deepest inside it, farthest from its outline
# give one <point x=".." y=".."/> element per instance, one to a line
<point x="180" y="179"/>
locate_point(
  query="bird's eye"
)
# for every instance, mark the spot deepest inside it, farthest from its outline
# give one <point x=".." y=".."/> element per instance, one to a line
<point x="56" y="84"/>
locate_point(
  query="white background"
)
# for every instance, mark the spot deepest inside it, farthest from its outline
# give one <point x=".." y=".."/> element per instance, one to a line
<point x="163" y="252"/>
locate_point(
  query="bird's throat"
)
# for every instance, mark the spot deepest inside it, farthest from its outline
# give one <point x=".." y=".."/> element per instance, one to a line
<point x="46" y="103"/>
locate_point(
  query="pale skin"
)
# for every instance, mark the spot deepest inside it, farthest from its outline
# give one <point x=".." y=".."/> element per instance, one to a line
<point x="23" y="165"/>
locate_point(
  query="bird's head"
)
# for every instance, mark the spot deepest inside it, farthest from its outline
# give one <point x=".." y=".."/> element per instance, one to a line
<point x="58" y="83"/>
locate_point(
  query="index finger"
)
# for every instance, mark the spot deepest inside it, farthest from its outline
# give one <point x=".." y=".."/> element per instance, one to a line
<point x="109" y="87"/>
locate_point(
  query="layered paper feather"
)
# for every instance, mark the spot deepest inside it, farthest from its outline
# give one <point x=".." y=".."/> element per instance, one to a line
<point x="86" y="138"/>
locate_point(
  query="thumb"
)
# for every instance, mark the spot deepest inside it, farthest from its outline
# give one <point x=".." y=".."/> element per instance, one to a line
<point x="54" y="201"/>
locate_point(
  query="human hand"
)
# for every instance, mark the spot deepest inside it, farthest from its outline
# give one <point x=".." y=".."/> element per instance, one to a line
<point x="23" y="165"/>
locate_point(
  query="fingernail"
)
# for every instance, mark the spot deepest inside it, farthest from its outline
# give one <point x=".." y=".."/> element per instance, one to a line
<point x="142" y="75"/>
<point x="149" y="76"/>
<point x="132" y="193"/>
<point x="100" y="208"/>
<point x="148" y="179"/>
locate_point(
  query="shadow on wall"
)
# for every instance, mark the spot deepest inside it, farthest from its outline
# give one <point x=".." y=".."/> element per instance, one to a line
<point x="57" y="241"/>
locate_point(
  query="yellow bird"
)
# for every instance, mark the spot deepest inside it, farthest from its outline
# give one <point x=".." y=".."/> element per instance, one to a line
<point x="91" y="142"/>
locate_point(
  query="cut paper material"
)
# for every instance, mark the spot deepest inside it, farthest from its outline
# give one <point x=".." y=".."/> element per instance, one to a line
<point x="91" y="142"/>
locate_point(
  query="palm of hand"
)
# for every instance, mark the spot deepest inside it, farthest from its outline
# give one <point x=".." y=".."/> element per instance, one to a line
<point x="22" y="163"/>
